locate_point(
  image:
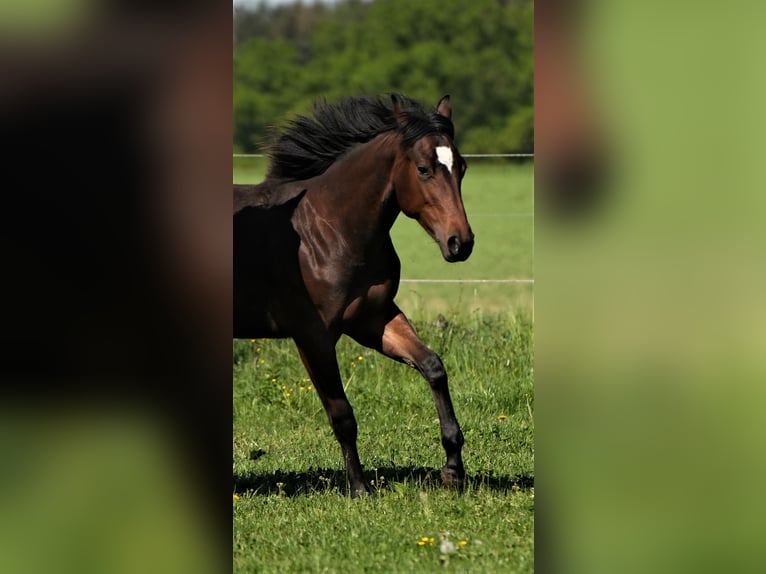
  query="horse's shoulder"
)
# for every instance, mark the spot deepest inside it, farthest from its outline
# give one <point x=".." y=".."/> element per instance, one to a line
<point x="265" y="195"/>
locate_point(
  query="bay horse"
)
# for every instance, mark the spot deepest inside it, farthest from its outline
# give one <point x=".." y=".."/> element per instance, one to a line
<point x="313" y="256"/>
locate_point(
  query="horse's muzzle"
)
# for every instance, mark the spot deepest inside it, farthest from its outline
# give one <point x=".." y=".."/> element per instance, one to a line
<point x="457" y="249"/>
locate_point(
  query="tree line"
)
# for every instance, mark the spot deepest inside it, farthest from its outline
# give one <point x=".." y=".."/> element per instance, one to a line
<point x="480" y="52"/>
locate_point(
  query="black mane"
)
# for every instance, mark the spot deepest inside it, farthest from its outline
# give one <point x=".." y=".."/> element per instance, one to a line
<point x="309" y="145"/>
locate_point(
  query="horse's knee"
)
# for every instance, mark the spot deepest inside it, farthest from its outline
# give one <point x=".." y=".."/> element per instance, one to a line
<point x="452" y="439"/>
<point x="343" y="424"/>
<point x="432" y="368"/>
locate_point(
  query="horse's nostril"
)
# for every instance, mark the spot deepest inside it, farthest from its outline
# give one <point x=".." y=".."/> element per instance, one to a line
<point x="453" y="244"/>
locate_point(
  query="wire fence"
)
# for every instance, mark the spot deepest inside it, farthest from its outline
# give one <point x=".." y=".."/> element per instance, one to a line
<point x="517" y="281"/>
<point x="521" y="281"/>
<point x="468" y="155"/>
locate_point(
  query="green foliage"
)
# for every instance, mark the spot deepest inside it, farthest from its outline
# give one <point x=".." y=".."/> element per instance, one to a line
<point x="480" y="52"/>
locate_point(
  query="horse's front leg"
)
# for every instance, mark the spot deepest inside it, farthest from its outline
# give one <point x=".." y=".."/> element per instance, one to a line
<point x="396" y="338"/>
<point x="322" y="365"/>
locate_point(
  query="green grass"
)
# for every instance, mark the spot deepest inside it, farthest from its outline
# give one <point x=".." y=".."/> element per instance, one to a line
<point x="292" y="513"/>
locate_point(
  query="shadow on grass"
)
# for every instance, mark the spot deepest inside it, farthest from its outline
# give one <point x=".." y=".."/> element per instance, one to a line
<point x="329" y="480"/>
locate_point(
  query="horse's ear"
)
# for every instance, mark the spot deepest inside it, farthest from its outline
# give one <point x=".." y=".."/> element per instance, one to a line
<point x="399" y="113"/>
<point x="445" y="108"/>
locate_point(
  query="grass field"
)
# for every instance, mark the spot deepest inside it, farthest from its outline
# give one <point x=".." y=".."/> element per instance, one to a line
<point x="291" y="512"/>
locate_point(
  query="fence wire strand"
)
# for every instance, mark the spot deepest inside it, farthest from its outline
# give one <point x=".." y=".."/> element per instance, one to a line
<point x="522" y="281"/>
<point x="468" y="155"/>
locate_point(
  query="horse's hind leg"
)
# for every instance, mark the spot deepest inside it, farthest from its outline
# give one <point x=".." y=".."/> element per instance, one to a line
<point x="396" y="338"/>
<point x="322" y="365"/>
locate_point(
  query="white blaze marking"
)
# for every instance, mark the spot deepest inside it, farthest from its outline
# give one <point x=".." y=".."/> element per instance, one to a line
<point x="444" y="155"/>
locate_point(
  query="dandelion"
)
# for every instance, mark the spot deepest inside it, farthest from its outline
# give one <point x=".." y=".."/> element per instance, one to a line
<point x="360" y="358"/>
<point x="262" y="361"/>
<point x="303" y="388"/>
<point x="425" y="540"/>
<point x="257" y="349"/>
<point x="252" y="340"/>
<point x="502" y="417"/>
<point x="287" y="395"/>
<point x="236" y="497"/>
<point x="462" y="543"/>
<point x="309" y="388"/>
<point x="284" y="387"/>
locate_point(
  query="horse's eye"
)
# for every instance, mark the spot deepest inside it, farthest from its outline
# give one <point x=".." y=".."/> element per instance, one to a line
<point x="423" y="170"/>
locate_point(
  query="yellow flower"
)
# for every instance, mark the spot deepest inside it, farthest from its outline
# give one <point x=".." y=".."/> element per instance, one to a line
<point x="309" y="388"/>
<point x="252" y="340"/>
<point x="284" y="387"/>
<point x="262" y="361"/>
<point x="462" y="543"/>
<point x="236" y="497"/>
<point x="502" y="417"/>
<point x="360" y="358"/>
<point x="257" y="349"/>
<point x="425" y="540"/>
<point x="287" y="395"/>
<point x="303" y="388"/>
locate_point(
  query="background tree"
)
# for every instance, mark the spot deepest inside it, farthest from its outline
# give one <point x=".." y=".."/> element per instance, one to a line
<point x="481" y="52"/>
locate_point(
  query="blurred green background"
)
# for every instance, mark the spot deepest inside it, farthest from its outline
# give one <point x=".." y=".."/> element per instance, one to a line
<point x="649" y="305"/>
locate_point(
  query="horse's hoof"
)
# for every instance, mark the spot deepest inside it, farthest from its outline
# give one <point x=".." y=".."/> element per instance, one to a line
<point x="362" y="490"/>
<point x="452" y="479"/>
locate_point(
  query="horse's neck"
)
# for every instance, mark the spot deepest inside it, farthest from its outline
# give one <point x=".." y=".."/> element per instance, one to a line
<point x="361" y="183"/>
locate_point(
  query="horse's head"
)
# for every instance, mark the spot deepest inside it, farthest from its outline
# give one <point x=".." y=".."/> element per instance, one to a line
<point x="427" y="178"/>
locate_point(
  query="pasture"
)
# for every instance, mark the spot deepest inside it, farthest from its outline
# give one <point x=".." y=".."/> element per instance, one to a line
<point x="291" y="513"/>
